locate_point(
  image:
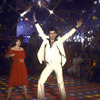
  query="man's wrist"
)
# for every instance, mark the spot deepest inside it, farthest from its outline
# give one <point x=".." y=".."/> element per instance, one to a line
<point x="36" y="22"/>
<point x="76" y="27"/>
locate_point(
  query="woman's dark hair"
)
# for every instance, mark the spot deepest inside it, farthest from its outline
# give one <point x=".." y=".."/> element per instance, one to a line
<point x="14" y="42"/>
<point x="52" y="29"/>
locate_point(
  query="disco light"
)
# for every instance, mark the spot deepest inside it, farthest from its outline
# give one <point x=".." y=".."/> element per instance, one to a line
<point x="51" y="12"/>
<point x="95" y="2"/>
<point x="26" y="19"/>
<point x="41" y="3"/>
<point x="21" y="19"/>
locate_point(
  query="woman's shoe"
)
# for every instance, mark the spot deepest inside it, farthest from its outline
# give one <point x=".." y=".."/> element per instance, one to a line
<point x="26" y="98"/>
<point x="8" y="98"/>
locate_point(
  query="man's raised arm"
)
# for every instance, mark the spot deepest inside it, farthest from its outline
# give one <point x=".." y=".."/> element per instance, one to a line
<point x="72" y="31"/>
<point x="39" y="29"/>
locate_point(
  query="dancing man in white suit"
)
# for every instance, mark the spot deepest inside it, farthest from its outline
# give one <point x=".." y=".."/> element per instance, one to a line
<point x="52" y="52"/>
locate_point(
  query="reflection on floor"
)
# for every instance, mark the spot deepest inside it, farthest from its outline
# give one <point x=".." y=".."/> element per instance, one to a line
<point x="75" y="89"/>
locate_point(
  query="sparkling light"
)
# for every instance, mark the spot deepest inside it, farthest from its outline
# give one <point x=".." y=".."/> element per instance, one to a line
<point x="95" y="2"/>
<point x="97" y="95"/>
<point x="31" y="25"/>
<point x="39" y="3"/>
<point x="95" y="91"/>
<point x="51" y="12"/>
<point x="80" y="93"/>
<point x="26" y="19"/>
<point x="95" y="18"/>
<point x="74" y="38"/>
<point x="72" y="94"/>
<point x="85" y="37"/>
<point x="89" y="96"/>
<point x="21" y="19"/>
<point x="88" y="92"/>
<point x="83" y="11"/>
<point x="21" y="26"/>
<point x="82" y="40"/>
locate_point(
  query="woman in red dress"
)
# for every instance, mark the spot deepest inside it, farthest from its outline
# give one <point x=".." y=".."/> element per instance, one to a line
<point x="18" y="74"/>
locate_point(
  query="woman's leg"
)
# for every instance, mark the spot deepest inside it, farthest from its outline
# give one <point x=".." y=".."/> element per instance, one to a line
<point x="9" y="93"/>
<point x="25" y="91"/>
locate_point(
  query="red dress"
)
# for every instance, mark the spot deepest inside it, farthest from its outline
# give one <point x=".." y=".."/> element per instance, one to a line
<point x="18" y="74"/>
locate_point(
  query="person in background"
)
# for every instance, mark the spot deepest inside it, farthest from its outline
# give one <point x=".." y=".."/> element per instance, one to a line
<point x="75" y="68"/>
<point x="18" y="74"/>
<point x="87" y="67"/>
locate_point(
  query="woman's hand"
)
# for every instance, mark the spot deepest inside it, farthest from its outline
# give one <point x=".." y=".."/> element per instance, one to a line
<point x="11" y="55"/>
<point x="21" y="60"/>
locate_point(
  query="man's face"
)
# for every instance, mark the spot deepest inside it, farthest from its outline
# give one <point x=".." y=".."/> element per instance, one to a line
<point x="52" y="35"/>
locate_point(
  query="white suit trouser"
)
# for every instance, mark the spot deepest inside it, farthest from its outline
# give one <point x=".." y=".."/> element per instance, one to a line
<point x="43" y="77"/>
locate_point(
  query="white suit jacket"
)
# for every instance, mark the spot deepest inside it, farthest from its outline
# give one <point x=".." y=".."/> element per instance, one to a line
<point x="60" y="41"/>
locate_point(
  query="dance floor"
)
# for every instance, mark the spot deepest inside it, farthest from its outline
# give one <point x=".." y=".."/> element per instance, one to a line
<point x="75" y="89"/>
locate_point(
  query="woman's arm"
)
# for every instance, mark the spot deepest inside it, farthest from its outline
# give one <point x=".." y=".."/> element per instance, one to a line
<point x="9" y="54"/>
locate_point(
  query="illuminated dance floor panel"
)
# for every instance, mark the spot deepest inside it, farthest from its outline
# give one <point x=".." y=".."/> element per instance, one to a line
<point x="75" y="89"/>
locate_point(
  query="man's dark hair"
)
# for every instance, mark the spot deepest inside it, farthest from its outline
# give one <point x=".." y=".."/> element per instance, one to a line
<point x="52" y="29"/>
